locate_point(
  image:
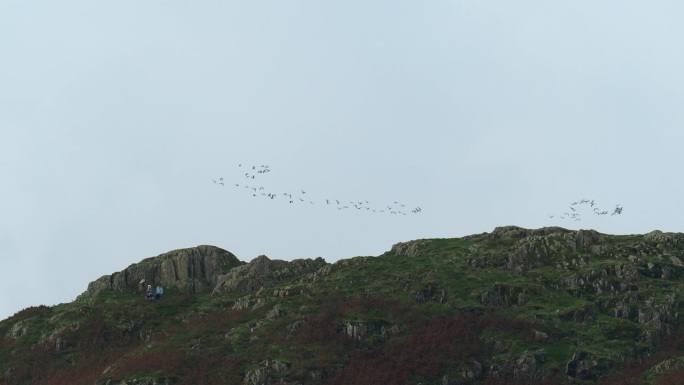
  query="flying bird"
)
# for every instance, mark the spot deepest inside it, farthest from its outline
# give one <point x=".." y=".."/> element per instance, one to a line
<point x="359" y="204"/>
<point x="617" y="210"/>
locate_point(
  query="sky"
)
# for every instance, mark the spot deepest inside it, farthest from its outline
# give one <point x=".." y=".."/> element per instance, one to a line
<point x="118" y="119"/>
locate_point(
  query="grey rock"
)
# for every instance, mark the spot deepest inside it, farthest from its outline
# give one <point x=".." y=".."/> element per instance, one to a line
<point x="586" y="367"/>
<point x="60" y="344"/>
<point x="191" y="270"/>
<point x="19" y="329"/>
<point x="411" y="248"/>
<point x="256" y="377"/>
<point x="243" y="303"/>
<point x="261" y="375"/>
<point x="667" y="366"/>
<point x="515" y="232"/>
<point x="360" y="330"/>
<point x="286" y="291"/>
<point x="262" y="271"/>
<point x="276" y="312"/>
<point x="294" y="327"/>
<point x="528" y="365"/>
<point x="469" y="371"/>
<point x="665" y="238"/>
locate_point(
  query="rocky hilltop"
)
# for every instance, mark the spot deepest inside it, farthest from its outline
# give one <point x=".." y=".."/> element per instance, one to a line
<point x="513" y="306"/>
<point x="192" y="270"/>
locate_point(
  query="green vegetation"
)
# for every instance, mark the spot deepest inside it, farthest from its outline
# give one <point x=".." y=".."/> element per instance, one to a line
<point x="514" y="306"/>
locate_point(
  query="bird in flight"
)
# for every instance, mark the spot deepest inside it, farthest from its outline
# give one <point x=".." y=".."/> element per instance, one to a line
<point x="266" y="191"/>
<point x="596" y="210"/>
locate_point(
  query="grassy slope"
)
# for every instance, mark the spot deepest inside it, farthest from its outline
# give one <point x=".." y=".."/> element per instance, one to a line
<point x="424" y="318"/>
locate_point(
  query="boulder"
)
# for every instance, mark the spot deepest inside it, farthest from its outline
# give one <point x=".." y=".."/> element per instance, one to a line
<point x="191" y="270"/>
<point x="528" y="366"/>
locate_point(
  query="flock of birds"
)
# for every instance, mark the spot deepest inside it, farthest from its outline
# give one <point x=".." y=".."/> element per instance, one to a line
<point x="574" y="214"/>
<point x="250" y="176"/>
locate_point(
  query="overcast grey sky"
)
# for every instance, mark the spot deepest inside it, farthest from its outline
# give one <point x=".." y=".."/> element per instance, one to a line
<point x="116" y="116"/>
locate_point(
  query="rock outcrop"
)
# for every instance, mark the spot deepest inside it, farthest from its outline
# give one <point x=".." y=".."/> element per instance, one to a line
<point x="262" y="271"/>
<point x="262" y="374"/>
<point x="515" y="232"/>
<point x="411" y="248"/>
<point x="191" y="270"/>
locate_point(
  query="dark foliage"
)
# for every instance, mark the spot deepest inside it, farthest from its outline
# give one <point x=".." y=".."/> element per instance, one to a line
<point x="632" y="372"/>
<point x="674" y="378"/>
<point x="428" y="348"/>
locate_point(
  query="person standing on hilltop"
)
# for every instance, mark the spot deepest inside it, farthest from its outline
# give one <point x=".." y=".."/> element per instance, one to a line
<point x="160" y="292"/>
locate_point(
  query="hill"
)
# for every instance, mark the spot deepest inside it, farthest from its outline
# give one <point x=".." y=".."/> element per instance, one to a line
<point x="525" y="306"/>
